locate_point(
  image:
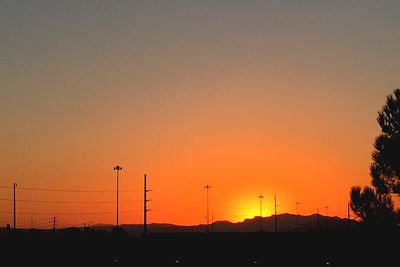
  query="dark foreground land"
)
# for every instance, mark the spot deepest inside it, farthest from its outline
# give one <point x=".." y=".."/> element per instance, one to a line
<point x="75" y="247"/>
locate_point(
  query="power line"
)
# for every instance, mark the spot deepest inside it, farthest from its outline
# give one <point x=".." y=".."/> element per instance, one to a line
<point x="7" y="187"/>
<point x="70" y="213"/>
<point x="196" y="209"/>
<point x="40" y="220"/>
<point x="42" y="224"/>
<point x="184" y="208"/>
<point x="67" y="202"/>
<point x="74" y="190"/>
<point x="230" y="207"/>
<point x="68" y="190"/>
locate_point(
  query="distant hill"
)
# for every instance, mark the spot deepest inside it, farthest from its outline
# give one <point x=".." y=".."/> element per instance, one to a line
<point x="286" y="223"/>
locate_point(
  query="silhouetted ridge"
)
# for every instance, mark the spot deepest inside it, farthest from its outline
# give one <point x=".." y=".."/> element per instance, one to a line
<point x="286" y="223"/>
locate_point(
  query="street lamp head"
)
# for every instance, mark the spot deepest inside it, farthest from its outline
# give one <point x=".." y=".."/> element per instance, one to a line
<point x="207" y="187"/>
<point x="118" y="168"/>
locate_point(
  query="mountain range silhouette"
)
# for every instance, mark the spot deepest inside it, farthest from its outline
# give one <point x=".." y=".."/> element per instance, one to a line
<point x="286" y="223"/>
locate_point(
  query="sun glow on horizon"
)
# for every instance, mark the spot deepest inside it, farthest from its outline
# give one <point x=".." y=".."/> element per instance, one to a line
<point x="249" y="209"/>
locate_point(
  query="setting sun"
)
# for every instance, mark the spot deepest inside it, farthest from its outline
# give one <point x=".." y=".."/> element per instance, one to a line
<point x="248" y="209"/>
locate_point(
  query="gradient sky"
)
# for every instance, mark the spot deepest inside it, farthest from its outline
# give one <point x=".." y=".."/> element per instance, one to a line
<point x="251" y="97"/>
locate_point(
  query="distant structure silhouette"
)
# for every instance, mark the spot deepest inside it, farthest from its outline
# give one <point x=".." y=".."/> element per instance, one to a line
<point x="208" y="187"/>
<point x="326" y="217"/>
<point x="15" y="207"/>
<point x="145" y="210"/>
<point x="261" y="198"/>
<point x="54" y="223"/>
<point x="297" y="215"/>
<point x="348" y="214"/>
<point x="212" y="222"/>
<point x="117" y="168"/>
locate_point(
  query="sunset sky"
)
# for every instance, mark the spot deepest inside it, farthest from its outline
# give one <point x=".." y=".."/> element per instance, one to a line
<point x="250" y="97"/>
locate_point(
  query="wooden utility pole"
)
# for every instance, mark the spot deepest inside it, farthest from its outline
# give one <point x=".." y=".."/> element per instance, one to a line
<point x="54" y="222"/>
<point x="145" y="210"/>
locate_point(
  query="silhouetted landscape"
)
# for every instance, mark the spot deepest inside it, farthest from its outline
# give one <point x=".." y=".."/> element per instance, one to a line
<point x="351" y="247"/>
<point x="287" y="223"/>
<point x="334" y="242"/>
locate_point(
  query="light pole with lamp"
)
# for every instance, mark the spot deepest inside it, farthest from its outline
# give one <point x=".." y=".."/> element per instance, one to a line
<point x="117" y="168"/>
<point x="207" y="187"/>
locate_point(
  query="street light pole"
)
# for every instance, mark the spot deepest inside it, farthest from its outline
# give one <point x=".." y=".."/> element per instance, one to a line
<point x="261" y="197"/>
<point x="207" y="187"/>
<point x="117" y="168"/>
<point x="15" y="207"/>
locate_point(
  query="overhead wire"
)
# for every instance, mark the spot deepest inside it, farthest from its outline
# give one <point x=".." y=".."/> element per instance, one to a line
<point x="69" y="213"/>
<point x="67" y="190"/>
<point x="67" y="202"/>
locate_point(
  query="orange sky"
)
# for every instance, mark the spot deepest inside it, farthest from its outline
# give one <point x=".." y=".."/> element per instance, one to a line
<point x="257" y="98"/>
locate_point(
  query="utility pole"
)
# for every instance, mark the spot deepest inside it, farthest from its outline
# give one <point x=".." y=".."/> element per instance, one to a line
<point x="207" y="187"/>
<point x="297" y="215"/>
<point x="117" y="168"/>
<point x="15" y="207"/>
<point x="54" y="223"/>
<point x="261" y="197"/>
<point x="276" y="217"/>
<point x="145" y="210"/>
